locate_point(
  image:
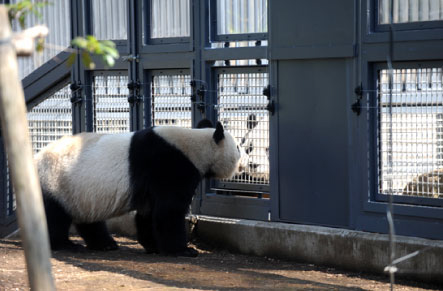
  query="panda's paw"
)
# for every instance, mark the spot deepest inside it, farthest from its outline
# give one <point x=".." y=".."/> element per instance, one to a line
<point x="112" y="246"/>
<point x="151" y="250"/>
<point x="68" y="246"/>
<point x="188" y="252"/>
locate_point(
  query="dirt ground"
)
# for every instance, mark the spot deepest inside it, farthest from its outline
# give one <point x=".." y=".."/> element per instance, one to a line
<point x="129" y="268"/>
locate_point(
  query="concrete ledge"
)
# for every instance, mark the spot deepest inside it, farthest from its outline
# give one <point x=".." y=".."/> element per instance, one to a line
<point x="348" y="249"/>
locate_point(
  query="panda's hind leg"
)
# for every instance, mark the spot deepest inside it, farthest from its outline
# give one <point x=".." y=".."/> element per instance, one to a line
<point x="96" y="236"/>
<point x="58" y="221"/>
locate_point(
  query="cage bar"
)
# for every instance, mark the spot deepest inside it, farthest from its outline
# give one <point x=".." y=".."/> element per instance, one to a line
<point x="171" y="100"/>
<point x="410" y="138"/>
<point x="11" y="204"/>
<point x="110" y="101"/>
<point x="242" y="110"/>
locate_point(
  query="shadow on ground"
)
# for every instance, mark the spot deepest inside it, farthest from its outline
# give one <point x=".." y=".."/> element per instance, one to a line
<point x="217" y="269"/>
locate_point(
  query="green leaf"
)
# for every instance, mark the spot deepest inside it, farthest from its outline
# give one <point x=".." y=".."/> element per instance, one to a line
<point x="109" y="61"/>
<point x="40" y="45"/>
<point x="71" y="59"/>
<point x="79" y="42"/>
<point x="91" y="45"/>
<point x="87" y="60"/>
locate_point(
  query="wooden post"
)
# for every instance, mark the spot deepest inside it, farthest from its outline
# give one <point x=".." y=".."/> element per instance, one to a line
<point x="30" y="210"/>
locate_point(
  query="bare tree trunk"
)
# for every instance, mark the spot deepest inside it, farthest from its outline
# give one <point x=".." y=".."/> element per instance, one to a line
<point x="31" y="215"/>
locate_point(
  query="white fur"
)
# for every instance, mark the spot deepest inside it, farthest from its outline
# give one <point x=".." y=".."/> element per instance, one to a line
<point x="198" y="145"/>
<point x="89" y="190"/>
<point x="88" y="173"/>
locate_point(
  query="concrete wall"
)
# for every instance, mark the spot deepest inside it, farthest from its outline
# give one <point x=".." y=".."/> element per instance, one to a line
<point x="347" y="249"/>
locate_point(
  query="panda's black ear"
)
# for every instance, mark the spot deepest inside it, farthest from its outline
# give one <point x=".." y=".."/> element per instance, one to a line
<point x="219" y="133"/>
<point x="204" y="123"/>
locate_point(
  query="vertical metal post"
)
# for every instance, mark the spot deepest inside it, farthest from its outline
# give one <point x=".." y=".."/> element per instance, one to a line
<point x="79" y="27"/>
<point x="200" y="40"/>
<point x="134" y="70"/>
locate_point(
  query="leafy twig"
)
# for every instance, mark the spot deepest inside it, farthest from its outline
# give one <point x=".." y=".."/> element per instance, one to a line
<point x="90" y="45"/>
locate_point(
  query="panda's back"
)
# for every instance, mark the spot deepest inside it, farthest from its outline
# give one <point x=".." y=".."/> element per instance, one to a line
<point x="88" y="174"/>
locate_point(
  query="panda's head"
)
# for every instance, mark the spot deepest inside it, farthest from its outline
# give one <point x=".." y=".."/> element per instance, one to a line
<point x="228" y="157"/>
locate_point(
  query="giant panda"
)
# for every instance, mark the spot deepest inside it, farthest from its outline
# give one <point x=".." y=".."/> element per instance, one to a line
<point x="89" y="177"/>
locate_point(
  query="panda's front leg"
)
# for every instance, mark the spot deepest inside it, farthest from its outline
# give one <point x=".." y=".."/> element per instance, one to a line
<point x="145" y="236"/>
<point x="169" y="231"/>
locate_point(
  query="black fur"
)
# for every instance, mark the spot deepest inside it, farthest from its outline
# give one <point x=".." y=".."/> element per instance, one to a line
<point x="204" y="123"/>
<point x="95" y="235"/>
<point x="163" y="183"/>
<point x="219" y="133"/>
<point x="58" y="221"/>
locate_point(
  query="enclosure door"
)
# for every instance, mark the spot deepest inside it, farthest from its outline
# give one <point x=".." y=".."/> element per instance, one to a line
<point x="312" y="67"/>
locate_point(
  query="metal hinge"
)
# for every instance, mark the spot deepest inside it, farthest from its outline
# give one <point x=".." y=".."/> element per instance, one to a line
<point x="134" y="95"/>
<point x="75" y="88"/>
<point x="198" y="96"/>
<point x="131" y="58"/>
<point x="356" y="107"/>
<point x="271" y="104"/>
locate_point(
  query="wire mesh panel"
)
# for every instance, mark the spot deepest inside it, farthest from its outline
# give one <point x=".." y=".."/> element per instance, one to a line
<point x="170" y="18"/>
<point x="241" y="16"/>
<point x="171" y="100"/>
<point x="47" y="121"/>
<point x="411" y="133"/>
<point x="410" y="11"/>
<point x="50" y="119"/>
<point x="110" y="19"/>
<point x="110" y="101"/>
<point x="56" y="16"/>
<point x="242" y="110"/>
<point x="11" y="204"/>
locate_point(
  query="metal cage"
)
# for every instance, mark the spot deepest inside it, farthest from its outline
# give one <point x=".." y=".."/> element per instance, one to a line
<point x="110" y="103"/>
<point x="171" y="99"/>
<point x="48" y="121"/>
<point x="410" y="138"/>
<point x="242" y="109"/>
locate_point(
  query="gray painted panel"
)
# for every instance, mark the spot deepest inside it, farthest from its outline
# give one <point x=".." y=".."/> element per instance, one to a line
<point x="315" y="23"/>
<point x="313" y="141"/>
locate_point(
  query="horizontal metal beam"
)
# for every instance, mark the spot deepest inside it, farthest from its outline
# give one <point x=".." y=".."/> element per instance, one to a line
<point x="167" y="60"/>
<point x="236" y="206"/>
<point x="312" y="52"/>
<point x="43" y="79"/>
<point x="241" y="37"/>
<point x="238" y="53"/>
<point x="404" y="51"/>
